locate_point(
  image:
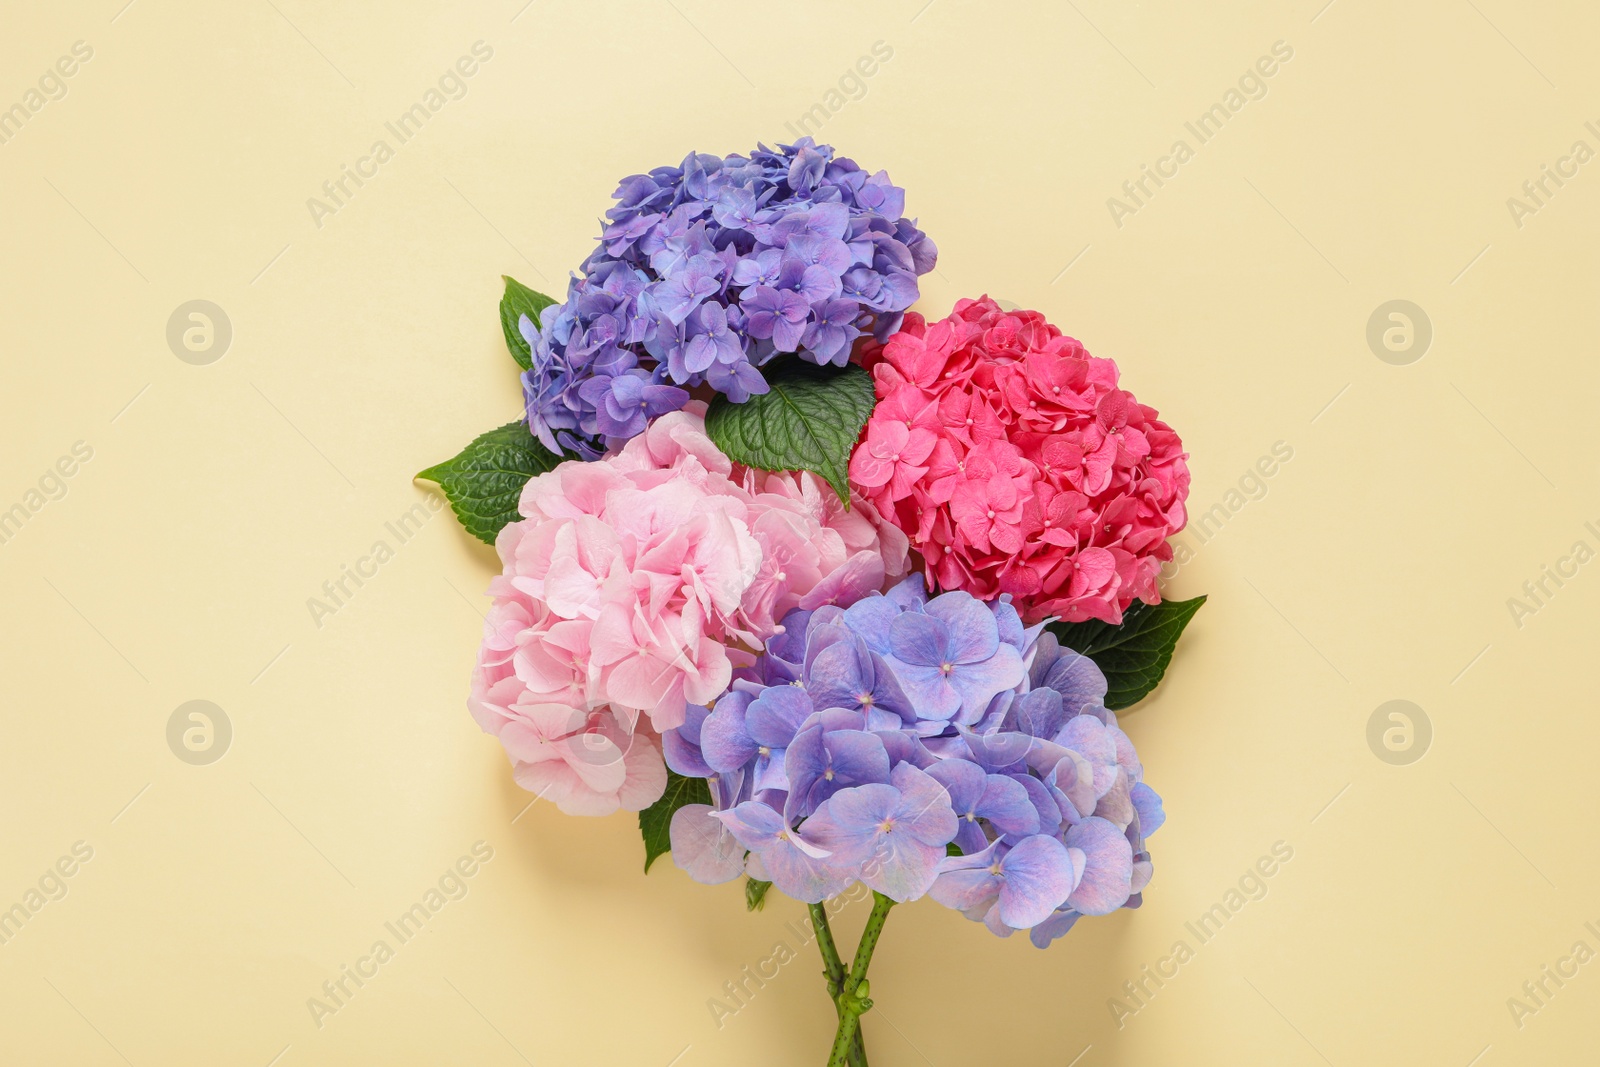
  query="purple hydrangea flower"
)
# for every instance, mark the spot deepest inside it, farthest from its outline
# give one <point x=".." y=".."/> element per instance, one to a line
<point x="950" y="658"/>
<point x="707" y="271"/>
<point x="892" y="835"/>
<point x="923" y="747"/>
<point x="789" y="859"/>
<point x="1012" y="887"/>
<point x="832" y="754"/>
<point x="704" y="846"/>
<point x="626" y="403"/>
<point x="776" y="315"/>
<point x="978" y="797"/>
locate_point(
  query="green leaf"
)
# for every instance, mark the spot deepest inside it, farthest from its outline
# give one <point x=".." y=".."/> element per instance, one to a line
<point x="484" y="482"/>
<point x="655" y="822"/>
<point x="518" y="301"/>
<point x="755" y="893"/>
<point x="810" y="420"/>
<point x="952" y="849"/>
<point x="1133" y="656"/>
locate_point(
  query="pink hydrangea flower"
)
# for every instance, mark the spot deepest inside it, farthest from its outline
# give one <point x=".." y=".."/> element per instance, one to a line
<point x="1016" y="464"/>
<point x="632" y="588"/>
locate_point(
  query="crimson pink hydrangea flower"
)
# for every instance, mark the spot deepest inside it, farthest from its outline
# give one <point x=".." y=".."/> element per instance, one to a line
<point x="1016" y="465"/>
<point x="631" y="589"/>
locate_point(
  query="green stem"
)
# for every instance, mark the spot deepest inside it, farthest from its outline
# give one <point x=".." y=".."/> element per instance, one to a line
<point x="833" y="971"/>
<point x="832" y="965"/>
<point x="853" y="999"/>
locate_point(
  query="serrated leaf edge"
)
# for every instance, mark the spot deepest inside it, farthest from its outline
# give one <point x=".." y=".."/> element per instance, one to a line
<point x="470" y="521"/>
<point x="836" y="478"/>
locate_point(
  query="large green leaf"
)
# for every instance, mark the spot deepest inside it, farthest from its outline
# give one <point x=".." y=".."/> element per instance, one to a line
<point x="484" y="482"/>
<point x="655" y="822"/>
<point x="518" y="301"/>
<point x="1133" y="656"/>
<point x="809" y="420"/>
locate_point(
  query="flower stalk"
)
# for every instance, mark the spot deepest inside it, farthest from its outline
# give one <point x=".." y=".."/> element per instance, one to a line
<point x="852" y="999"/>
<point x="834" y="973"/>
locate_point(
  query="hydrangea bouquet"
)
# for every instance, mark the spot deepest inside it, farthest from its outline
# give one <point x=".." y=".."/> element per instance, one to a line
<point x="826" y="593"/>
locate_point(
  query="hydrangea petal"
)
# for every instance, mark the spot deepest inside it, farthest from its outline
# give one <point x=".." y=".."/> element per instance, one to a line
<point x="973" y="633"/>
<point x="703" y="847"/>
<point x="1037" y="875"/>
<point x="1108" y="867"/>
<point x="724" y="741"/>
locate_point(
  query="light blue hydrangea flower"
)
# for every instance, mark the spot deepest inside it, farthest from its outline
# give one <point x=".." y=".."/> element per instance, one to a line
<point x="923" y="747"/>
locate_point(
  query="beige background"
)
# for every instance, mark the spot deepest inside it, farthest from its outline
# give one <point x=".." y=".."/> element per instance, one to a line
<point x="220" y="497"/>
